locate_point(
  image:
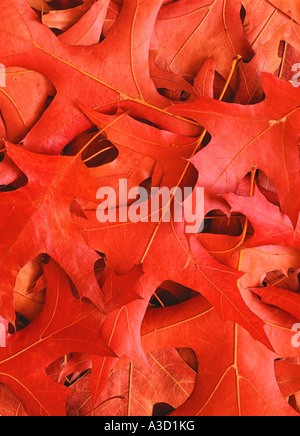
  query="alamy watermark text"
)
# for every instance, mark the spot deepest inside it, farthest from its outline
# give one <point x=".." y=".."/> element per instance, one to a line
<point x="157" y="205"/>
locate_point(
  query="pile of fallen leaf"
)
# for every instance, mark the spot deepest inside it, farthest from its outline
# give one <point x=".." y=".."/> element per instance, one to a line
<point x="141" y="318"/>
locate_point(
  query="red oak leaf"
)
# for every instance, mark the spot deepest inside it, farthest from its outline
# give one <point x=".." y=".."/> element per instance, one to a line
<point x="46" y="225"/>
<point x="260" y="131"/>
<point x="271" y="226"/>
<point x="230" y="362"/>
<point x="135" y="390"/>
<point x="65" y="19"/>
<point x="185" y="50"/>
<point x="34" y="46"/>
<point x="113" y="307"/>
<point x="59" y="330"/>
